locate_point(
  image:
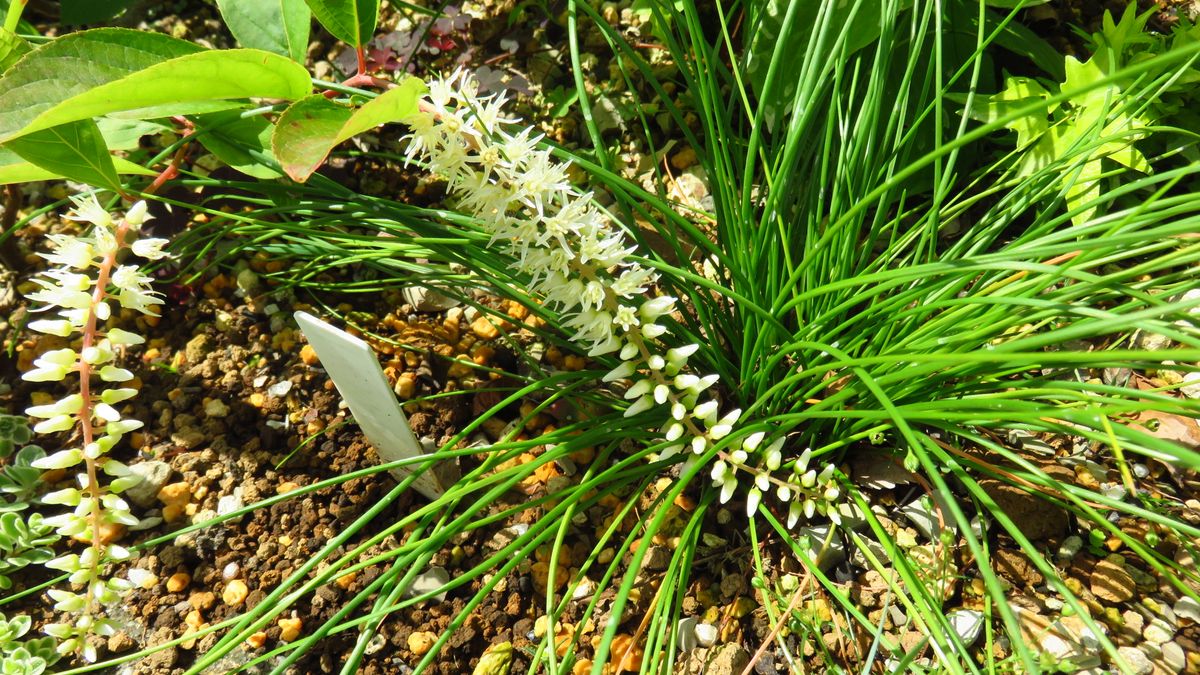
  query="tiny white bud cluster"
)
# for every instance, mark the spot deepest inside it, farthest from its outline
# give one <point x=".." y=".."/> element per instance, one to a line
<point x="583" y="267"/>
<point x="77" y="290"/>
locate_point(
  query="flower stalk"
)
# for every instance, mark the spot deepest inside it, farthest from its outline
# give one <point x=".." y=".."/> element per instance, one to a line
<point x="78" y="290"/>
<point x="582" y="266"/>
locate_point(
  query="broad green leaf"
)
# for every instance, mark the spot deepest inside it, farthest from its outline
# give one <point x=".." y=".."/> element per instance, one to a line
<point x="12" y="48"/>
<point x="75" y="150"/>
<point x="13" y="169"/>
<point x="107" y="70"/>
<point x="351" y="21"/>
<point x="313" y="126"/>
<point x="279" y="26"/>
<point x="243" y="143"/>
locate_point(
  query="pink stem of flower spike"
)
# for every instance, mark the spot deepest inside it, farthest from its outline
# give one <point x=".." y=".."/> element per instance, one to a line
<point x="85" y="392"/>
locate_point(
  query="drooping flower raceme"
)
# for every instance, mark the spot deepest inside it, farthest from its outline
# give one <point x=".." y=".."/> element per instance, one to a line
<point x="76" y="293"/>
<point x="584" y="268"/>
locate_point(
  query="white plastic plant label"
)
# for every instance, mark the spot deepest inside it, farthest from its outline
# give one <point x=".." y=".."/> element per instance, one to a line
<point x="355" y="371"/>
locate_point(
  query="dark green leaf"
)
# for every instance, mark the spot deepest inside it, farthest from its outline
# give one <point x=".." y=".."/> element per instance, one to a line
<point x="75" y="150"/>
<point x="279" y="26"/>
<point x="243" y="143"/>
<point x="351" y="21"/>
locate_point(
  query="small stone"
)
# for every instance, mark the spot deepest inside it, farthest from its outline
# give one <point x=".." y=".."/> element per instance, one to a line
<point x="420" y="642"/>
<point x="1187" y="608"/>
<point x="120" y="642"/>
<point x="1156" y="634"/>
<point x="428" y="581"/>
<point x="484" y="329"/>
<point x="727" y="659"/>
<point x="1070" y="547"/>
<point x="1111" y="582"/>
<point x="1173" y="657"/>
<point x="280" y="389"/>
<point x="197" y="348"/>
<point x="309" y="355"/>
<point x="706" y="635"/>
<point x="235" y="593"/>
<point x="286" y="487"/>
<point x="257" y="640"/>
<point x="154" y="476"/>
<point x="178" y="581"/>
<point x="289" y="629"/>
<point x="1137" y="660"/>
<point x="215" y="407"/>
<point x="967" y="623"/>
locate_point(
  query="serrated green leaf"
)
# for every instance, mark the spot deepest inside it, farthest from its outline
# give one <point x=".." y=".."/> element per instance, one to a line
<point x="279" y="26"/>
<point x="75" y="150"/>
<point x="106" y="70"/>
<point x="12" y="48"/>
<point x="242" y="143"/>
<point x="351" y="21"/>
<point x="313" y="126"/>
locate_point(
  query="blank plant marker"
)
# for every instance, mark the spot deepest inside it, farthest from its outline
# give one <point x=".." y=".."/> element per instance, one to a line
<point x="356" y="374"/>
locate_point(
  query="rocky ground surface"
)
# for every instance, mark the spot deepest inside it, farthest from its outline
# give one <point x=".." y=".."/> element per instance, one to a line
<point x="237" y="409"/>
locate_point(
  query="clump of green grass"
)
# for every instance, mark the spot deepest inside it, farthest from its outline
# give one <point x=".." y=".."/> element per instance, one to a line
<point x="875" y="278"/>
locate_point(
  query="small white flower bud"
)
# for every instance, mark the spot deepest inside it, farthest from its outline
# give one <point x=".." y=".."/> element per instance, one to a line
<point x="653" y="330"/>
<point x="674" y="431"/>
<point x="59" y="327"/>
<point x="773" y="457"/>
<point x="750" y="443"/>
<point x="719" y="470"/>
<point x="728" y="487"/>
<point x="784" y="493"/>
<point x="738" y="456"/>
<point x="809" y="479"/>
<point x="678" y="411"/>
<point x="106" y="412"/>
<point x="685" y="381"/>
<point x="639" y="388"/>
<point x="794" y="511"/>
<point x="123" y="337"/>
<point x="61" y="459"/>
<point x="137" y="214"/>
<point x="656" y="307"/>
<point x="661" y="392"/>
<point x="699" y="444"/>
<point x="641" y="405"/>
<point x="114" y="374"/>
<point x="629" y="351"/>
<point x="621" y="372"/>
<point x="678" y="356"/>
<point x="705" y="411"/>
<point x="762" y="481"/>
<point x="56" y="423"/>
<point x="122" y="427"/>
<point x="656" y="362"/>
<point x="753" y="497"/>
<point x="111" y="396"/>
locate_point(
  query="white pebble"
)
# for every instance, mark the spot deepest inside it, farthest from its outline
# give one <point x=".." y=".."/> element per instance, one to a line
<point x="230" y="571"/>
<point x="280" y="388"/>
<point x="706" y="635"/>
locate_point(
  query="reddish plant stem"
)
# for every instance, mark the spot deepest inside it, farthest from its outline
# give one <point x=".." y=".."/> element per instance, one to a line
<point x="85" y="392"/>
<point x="361" y="52"/>
<point x="172" y="169"/>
